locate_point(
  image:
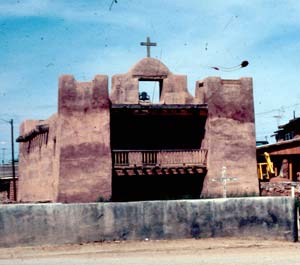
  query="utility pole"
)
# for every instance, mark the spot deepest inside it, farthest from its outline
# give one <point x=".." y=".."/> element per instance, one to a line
<point x="11" y="122"/>
<point x="13" y="159"/>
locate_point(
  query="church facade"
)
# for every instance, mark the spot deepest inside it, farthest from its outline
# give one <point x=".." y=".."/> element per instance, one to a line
<point x="123" y="147"/>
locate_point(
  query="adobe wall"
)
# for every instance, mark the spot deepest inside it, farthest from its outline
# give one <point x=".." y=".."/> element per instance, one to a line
<point x="125" y="87"/>
<point x="85" y="155"/>
<point x="40" y="224"/>
<point x="72" y="162"/>
<point x="230" y="135"/>
<point x="38" y="163"/>
<point x="75" y="164"/>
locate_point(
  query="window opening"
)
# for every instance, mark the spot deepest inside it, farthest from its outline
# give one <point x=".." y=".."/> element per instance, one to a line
<point x="149" y="91"/>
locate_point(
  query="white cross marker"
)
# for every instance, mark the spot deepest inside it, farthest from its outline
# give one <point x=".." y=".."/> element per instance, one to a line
<point x="224" y="180"/>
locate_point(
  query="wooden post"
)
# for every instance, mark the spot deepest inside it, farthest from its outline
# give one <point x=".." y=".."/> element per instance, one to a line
<point x="293" y="192"/>
<point x="291" y="171"/>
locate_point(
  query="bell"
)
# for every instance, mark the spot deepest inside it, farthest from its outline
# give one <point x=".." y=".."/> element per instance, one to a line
<point x="144" y="96"/>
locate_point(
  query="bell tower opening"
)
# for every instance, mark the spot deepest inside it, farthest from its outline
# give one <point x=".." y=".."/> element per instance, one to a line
<point x="150" y="90"/>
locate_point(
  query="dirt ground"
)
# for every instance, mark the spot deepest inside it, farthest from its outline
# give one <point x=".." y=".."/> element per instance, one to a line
<point x="189" y="251"/>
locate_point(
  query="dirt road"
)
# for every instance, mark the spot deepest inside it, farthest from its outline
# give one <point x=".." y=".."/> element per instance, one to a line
<point x="175" y="252"/>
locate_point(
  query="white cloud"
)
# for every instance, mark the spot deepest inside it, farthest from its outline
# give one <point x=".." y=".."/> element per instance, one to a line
<point x="192" y="35"/>
<point x="23" y="8"/>
<point x="73" y="12"/>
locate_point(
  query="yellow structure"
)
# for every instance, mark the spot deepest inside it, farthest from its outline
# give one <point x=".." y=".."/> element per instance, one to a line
<point x="265" y="170"/>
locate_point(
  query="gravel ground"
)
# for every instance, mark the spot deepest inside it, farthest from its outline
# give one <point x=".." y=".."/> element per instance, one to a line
<point x="176" y="252"/>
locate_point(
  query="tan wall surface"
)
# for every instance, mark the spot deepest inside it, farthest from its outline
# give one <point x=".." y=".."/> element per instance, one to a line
<point x="38" y="175"/>
<point x="230" y="135"/>
<point x="125" y="87"/>
<point x="85" y="156"/>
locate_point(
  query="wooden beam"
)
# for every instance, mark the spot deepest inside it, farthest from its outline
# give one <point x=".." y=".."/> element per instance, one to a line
<point x="291" y="171"/>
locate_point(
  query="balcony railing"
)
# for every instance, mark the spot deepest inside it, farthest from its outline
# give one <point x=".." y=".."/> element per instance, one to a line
<point x="163" y="158"/>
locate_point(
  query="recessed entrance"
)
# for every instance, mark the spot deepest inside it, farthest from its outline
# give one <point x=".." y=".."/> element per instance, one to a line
<point x="164" y="187"/>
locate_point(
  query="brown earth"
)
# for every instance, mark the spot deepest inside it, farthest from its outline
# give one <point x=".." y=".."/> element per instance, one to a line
<point x="190" y="251"/>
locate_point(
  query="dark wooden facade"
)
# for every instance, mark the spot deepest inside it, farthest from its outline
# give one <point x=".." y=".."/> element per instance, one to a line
<point x="285" y="153"/>
<point x="156" y="151"/>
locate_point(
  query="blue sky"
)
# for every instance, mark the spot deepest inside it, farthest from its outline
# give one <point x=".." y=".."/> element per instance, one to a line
<point x="43" y="39"/>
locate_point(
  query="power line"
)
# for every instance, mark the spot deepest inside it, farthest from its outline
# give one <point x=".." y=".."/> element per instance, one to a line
<point x="282" y="108"/>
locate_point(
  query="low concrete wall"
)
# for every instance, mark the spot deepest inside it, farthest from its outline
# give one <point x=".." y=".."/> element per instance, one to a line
<point x="32" y="224"/>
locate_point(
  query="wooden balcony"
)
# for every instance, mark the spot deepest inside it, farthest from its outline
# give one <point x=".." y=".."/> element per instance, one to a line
<point x="161" y="158"/>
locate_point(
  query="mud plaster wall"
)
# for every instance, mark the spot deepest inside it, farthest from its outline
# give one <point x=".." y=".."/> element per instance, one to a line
<point x="85" y="157"/>
<point x="74" y="163"/>
<point x="125" y="87"/>
<point x="39" y="181"/>
<point x="230" y="134"/>
<point x="78" y="169"/>
<point x="40" y="224"/>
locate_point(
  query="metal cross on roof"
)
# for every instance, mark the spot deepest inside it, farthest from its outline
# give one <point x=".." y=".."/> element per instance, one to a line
<point x="224" y="180"/>
<point x="148" y="44"/>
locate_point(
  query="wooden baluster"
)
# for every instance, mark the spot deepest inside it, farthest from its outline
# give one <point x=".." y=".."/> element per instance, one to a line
<point x="139" y="158"/>
<point x="130" y="158"/>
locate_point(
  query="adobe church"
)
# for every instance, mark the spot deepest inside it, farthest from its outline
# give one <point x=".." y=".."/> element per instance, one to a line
<point x="120" y="146"/>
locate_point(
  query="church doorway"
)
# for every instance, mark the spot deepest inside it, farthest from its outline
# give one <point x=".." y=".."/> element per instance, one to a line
<point x="156" y="187"/>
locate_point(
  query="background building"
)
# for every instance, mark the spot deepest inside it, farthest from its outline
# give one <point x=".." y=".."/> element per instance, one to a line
<point x="6" y="182"/>
<point x="285" y="153"/>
